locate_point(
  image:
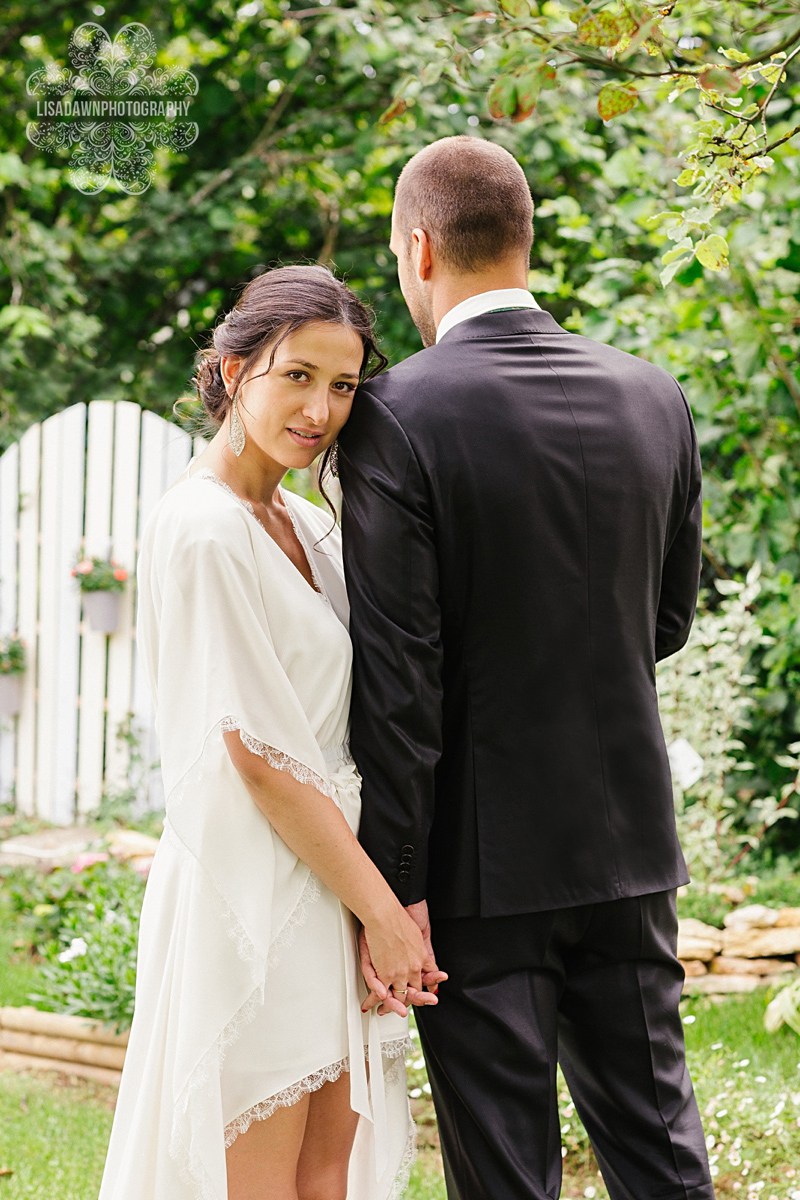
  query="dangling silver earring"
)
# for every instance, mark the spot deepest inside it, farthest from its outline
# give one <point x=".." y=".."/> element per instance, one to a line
<point x="333" y="460"/>
<point x="236" y="437"/>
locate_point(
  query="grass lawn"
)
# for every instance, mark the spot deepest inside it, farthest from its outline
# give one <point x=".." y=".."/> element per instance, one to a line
<point x="53" y="1137"/>
<point x="18" y="974"/>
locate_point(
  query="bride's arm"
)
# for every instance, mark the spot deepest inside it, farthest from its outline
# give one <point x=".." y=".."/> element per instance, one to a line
<point x="314" y="828"/>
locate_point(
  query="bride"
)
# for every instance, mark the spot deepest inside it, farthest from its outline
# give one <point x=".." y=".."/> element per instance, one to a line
<point x="260" y="1066"/>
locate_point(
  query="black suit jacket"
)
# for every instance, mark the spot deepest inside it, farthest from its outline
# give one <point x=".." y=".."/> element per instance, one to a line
<point x="522" y="538"/>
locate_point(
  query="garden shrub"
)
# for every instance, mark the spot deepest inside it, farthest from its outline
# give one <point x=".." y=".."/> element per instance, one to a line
<point x="85" y="926"/>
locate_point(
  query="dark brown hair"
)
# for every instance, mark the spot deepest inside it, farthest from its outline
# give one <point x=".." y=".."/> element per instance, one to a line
<point x="472" y="199"/>
<point x="272" y="306"/>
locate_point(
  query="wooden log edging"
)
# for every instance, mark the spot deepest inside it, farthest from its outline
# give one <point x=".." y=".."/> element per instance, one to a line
<point x="34" y="1040"/>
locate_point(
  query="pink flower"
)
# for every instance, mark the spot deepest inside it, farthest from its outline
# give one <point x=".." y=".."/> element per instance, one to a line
<point x="86" y="860"/>
<point x="121" y="574"/>
<point x="84" y="567"/>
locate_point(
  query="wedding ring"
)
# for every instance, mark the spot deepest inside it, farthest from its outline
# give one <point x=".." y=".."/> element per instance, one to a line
<point x="400" y="991"/>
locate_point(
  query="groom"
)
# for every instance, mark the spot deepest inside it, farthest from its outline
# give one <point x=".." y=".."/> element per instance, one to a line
<point x="522" y="543"/>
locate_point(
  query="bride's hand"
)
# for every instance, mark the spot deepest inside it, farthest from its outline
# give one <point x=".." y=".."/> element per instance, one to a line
<point x="394" y="963"/>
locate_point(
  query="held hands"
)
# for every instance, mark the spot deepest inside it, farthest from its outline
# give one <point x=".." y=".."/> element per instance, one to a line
<point x="397" y="960"/>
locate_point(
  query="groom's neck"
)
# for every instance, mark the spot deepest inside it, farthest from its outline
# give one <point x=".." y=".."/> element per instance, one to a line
<point x="451" y="288"/>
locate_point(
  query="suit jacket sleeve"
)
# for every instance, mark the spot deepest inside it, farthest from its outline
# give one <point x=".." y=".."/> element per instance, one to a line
<point x="392" y="577"/>
<point x="680" y="577"/>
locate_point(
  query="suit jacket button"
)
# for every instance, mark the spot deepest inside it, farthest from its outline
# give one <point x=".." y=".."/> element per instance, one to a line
<point x="403" y="876"/>
<point x="406" y="849"/>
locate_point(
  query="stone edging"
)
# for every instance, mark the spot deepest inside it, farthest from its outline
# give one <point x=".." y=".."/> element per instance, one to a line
<point x="759" y="946"/>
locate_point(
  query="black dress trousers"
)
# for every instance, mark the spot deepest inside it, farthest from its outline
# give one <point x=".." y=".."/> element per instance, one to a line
<point x="596" y="988"/>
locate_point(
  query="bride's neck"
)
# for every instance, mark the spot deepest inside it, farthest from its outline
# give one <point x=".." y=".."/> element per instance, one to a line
<point x="253" y="475"/>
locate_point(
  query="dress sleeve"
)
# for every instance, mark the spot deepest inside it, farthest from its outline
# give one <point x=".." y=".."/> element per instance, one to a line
<point x="206" y="634"/>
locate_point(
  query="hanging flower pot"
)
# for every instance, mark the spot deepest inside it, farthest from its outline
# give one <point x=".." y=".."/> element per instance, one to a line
<point x="12" y="667"/>
<point x="102" y="581"/>
<point x="10" y="695"/>
<point x="102" y="611"/>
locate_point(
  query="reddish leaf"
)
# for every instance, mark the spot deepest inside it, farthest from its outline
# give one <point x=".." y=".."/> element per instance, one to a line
<point x="528" y="83"/>
<point x="719" y="79"/>
<point x="615" y="99"/>
<point x="606" y="29"/>
<point x="395" y="109"/>
<point x="502" y="98"/>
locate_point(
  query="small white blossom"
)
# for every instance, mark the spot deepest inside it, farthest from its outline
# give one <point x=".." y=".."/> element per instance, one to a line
<point x="76" y="948"/>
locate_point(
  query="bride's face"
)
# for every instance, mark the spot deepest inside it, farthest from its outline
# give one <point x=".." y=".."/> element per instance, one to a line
<point x="294" y="411"/>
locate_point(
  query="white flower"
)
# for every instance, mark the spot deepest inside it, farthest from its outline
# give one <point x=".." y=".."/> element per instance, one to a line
<point x="590" y="1192"/>
<point x="76" y="948"/>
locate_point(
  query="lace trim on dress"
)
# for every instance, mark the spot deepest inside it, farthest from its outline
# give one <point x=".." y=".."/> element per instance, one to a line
<point x="277" y="758"/>
<point x="403" y="1176"/>
<point x="302" y="540"/>
<point x="284" y="1099"/>
<point x="311" y="1083"/>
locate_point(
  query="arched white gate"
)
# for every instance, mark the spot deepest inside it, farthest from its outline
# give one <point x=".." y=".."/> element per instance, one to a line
<point x="83" y="481"/>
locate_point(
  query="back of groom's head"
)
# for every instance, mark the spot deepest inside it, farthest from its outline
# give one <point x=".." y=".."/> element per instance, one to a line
<point x="472" y="199"/>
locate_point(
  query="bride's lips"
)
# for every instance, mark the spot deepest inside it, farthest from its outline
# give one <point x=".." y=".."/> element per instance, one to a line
<point x="305" y="437"/>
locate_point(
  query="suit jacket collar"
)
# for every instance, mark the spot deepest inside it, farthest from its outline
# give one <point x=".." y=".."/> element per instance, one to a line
<point x="505" y="323"/>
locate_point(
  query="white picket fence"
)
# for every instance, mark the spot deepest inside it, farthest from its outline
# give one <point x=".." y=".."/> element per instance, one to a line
<point x="82" y="482"/>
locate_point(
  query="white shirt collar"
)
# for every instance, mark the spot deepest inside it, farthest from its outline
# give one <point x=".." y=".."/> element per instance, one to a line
<point x="476" y="306"/>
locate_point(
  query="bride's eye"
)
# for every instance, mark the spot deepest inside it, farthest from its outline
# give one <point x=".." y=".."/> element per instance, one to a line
<point x="297" y="375"/>
<point x="343" y="386"/>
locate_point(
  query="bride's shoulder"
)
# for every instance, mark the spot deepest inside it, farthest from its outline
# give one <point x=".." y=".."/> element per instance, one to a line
<point x="196" y="511"/>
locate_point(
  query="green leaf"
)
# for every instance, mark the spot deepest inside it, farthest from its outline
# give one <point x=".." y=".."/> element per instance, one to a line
<point x="516" y="8"/>
<point x="432" y="72"/>
<point x="687" y="177"/>
<point x="615" y="99"/>
<point x="735" y="55"/>
<point x="678" y="251"/>
<point x="668" y="274"/>
<point x="298" y="51"/>
<point x="22" y="320"/>
<point x="712" y="252"/>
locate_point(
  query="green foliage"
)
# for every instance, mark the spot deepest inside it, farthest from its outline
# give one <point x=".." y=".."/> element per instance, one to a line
<point x="704" y="698"/>
<point x="126" y="805"/>
<point x="18" y="972"/>
<point x="709" y="907"/>
<point x="108" y="296"/>
<point x="85" y="926"/>
<point x="100" y="575"/>
<point x="12" y="655"/>
<point x="724" y="65"/>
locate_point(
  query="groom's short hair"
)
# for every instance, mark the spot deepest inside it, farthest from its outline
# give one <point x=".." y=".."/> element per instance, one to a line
<point x="472" y="199"/>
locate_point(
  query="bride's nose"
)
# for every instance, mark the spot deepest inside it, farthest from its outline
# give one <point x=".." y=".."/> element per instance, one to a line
<point x="316" y="405"/>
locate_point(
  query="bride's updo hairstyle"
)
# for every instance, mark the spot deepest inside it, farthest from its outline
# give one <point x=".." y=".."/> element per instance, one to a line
<point x="272" y="306"/>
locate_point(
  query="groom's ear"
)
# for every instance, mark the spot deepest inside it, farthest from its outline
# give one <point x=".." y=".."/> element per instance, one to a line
<point x="421" y="253"/>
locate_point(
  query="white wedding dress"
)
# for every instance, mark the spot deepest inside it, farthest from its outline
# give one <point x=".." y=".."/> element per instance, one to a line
<point x="248" y="992"/>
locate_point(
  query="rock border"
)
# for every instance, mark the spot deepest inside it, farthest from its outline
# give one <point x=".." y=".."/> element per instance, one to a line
<point x="759" y="947"/>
